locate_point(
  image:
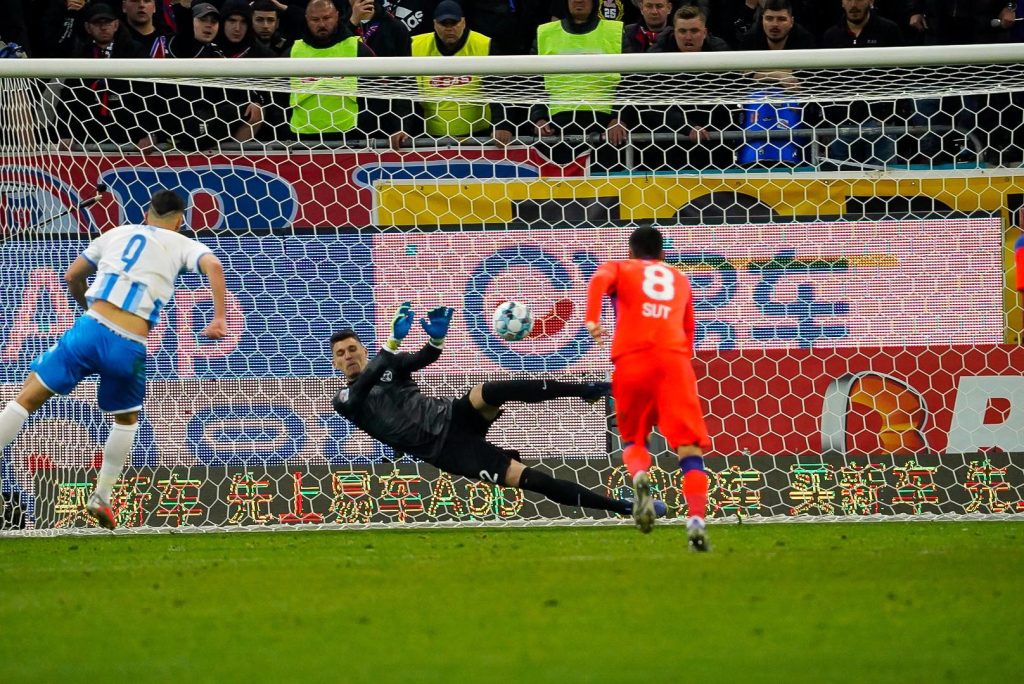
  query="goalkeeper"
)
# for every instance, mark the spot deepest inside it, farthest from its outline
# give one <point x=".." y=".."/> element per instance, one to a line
<point x="382" y="399"/>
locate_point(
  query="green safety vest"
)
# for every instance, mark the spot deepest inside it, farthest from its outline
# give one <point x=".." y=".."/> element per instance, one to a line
<point x="606" y="39"/>
<point x="325" y="113"/>
<point x="449" y="113"/>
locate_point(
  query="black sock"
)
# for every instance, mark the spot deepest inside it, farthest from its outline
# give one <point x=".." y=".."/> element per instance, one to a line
<point x="532" y="391"/>
<point x="569" y="493"/>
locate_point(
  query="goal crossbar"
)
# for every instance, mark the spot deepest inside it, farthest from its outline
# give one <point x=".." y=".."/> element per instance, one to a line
<point x="517" y="64"/>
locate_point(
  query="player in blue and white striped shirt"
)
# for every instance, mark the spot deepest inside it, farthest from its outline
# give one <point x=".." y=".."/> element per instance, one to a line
<point x="136" y="267"/>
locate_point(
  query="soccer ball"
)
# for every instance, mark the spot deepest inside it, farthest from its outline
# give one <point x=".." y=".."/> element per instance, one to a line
<point x="512" y="321"/>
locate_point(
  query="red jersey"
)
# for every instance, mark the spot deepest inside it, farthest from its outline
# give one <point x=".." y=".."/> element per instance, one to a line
<point x="653" y="305"/>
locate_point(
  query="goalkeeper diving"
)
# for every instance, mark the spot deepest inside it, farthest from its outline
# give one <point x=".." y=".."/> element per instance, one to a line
<point x="383" y="400"/>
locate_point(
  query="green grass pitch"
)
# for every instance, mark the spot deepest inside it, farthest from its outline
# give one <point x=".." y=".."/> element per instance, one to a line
<point x="899" y="602"/>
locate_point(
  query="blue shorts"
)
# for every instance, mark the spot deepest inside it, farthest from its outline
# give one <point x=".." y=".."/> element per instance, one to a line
<point x="90" y="347"/>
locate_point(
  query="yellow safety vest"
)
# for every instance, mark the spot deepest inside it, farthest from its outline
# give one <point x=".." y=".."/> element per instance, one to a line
<point x="325" y="113"/>
<point x="455" y="108"/>
<point x="606" y="39"/>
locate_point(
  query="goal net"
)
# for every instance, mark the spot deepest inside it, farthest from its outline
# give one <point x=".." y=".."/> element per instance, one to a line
<point x="847" y="220"/>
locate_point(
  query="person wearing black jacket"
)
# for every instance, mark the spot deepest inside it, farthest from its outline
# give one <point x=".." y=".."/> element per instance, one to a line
<point x="383" y="400"/>
<point x="211" y="114"/>
<point x="267" y="26"/>
<point x="101" y="111"/>
<point x="689" y="34"/>
<point x="380" y="31"/>
<point x="511" y="26"/>
<point x="692" y="124"/>
<point x="778" y="30"/>
<point x="415" y="15"/>
<point x="639" y="37"/>
<point x="236" y="38"/>
<point x="139" y="20"/>
<point x="861" y="27"/>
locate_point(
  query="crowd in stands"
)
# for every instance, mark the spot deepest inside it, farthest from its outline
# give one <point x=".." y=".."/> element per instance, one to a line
<point x="200" y="117"/>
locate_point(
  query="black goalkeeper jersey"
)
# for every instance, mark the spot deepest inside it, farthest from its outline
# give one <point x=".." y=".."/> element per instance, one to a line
<point x="387" y="404"/>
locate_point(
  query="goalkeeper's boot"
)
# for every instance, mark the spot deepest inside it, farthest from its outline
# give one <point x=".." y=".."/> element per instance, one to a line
<point x="643" y="502"/>
<point x="696" y="535"/>
<point x="101" y="511"/>
<point x="592" y="392"/>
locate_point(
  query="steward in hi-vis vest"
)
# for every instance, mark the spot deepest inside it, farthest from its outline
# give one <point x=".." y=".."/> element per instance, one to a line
<point x="454" y="105"/>
<point x="580" y="104"/>
<point x="335" y="114"/>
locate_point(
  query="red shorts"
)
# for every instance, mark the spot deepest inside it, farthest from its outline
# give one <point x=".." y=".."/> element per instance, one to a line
<point x="658" y="388"/>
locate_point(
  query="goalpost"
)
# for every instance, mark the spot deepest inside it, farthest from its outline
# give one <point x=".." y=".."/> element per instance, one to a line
<point x="846" y="217"/>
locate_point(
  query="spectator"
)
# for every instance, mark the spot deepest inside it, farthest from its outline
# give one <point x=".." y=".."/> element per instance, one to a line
<point x="138" y="16"/>
<point x="777" y="30"/>
<point x="511" y="25"/>
<point x="689" y="34"/>
<point x="861" y="27"/>
<point x="236" y="37"/>
<point x="583" y="31"/>
<point x="101" y="111"/>
<point x="337" y="118"/>
<point x="381" y="32"/>
<point x="415" y="15"/>
<point x="446" y="113"/>
<point x="201" y="117"/>
<point x="691" y="124"/>
<point x="266" y="25"/>
<point x="286" y="23"/>
<point x="639" y="37"/>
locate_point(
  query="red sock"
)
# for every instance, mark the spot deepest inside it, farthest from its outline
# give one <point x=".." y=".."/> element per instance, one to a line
<point x="695" y="489"/>
<point x="636" y="458"/>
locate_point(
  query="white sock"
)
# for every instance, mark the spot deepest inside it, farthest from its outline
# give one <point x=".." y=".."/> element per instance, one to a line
<point x="12" y="418"/>
<point x="115" y="453"/>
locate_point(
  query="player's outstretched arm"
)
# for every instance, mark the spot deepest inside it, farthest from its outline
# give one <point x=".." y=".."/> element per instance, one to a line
<point x="214" y="272"/>
<point x="436" y="326"/>
<point x="76" y="278"/>
<point x="601" y="283"/>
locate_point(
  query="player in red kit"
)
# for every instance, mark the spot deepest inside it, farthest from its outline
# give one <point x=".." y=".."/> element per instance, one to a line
<point x="653" y="382"/>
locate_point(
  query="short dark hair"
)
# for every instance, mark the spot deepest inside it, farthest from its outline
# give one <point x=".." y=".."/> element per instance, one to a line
<point x="165" y="203"/>
<point x="775" y="6"/>
<point x="646" y="243"/>
<point x="264" y="6"/>
<point x="689" y="12"/>
<point x="347" y="333"/>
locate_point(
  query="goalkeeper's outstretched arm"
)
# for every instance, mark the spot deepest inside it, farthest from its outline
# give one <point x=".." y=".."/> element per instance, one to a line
<point x="436" y="326"/>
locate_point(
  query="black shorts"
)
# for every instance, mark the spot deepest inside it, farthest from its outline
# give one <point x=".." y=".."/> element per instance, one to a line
<point x="467" y="452"/>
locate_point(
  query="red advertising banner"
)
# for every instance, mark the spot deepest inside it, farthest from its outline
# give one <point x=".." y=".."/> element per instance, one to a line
<point x="857" y="401"/>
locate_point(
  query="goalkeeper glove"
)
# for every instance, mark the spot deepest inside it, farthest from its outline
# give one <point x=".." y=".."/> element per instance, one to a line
<point x="436" y="324"/>
<point x="400" y="325"/>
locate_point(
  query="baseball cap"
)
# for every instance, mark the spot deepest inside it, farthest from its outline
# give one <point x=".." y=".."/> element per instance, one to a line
<point x="448" y="10"/>
<point x="204" y="9"/>
<point x="98" y="11"/>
